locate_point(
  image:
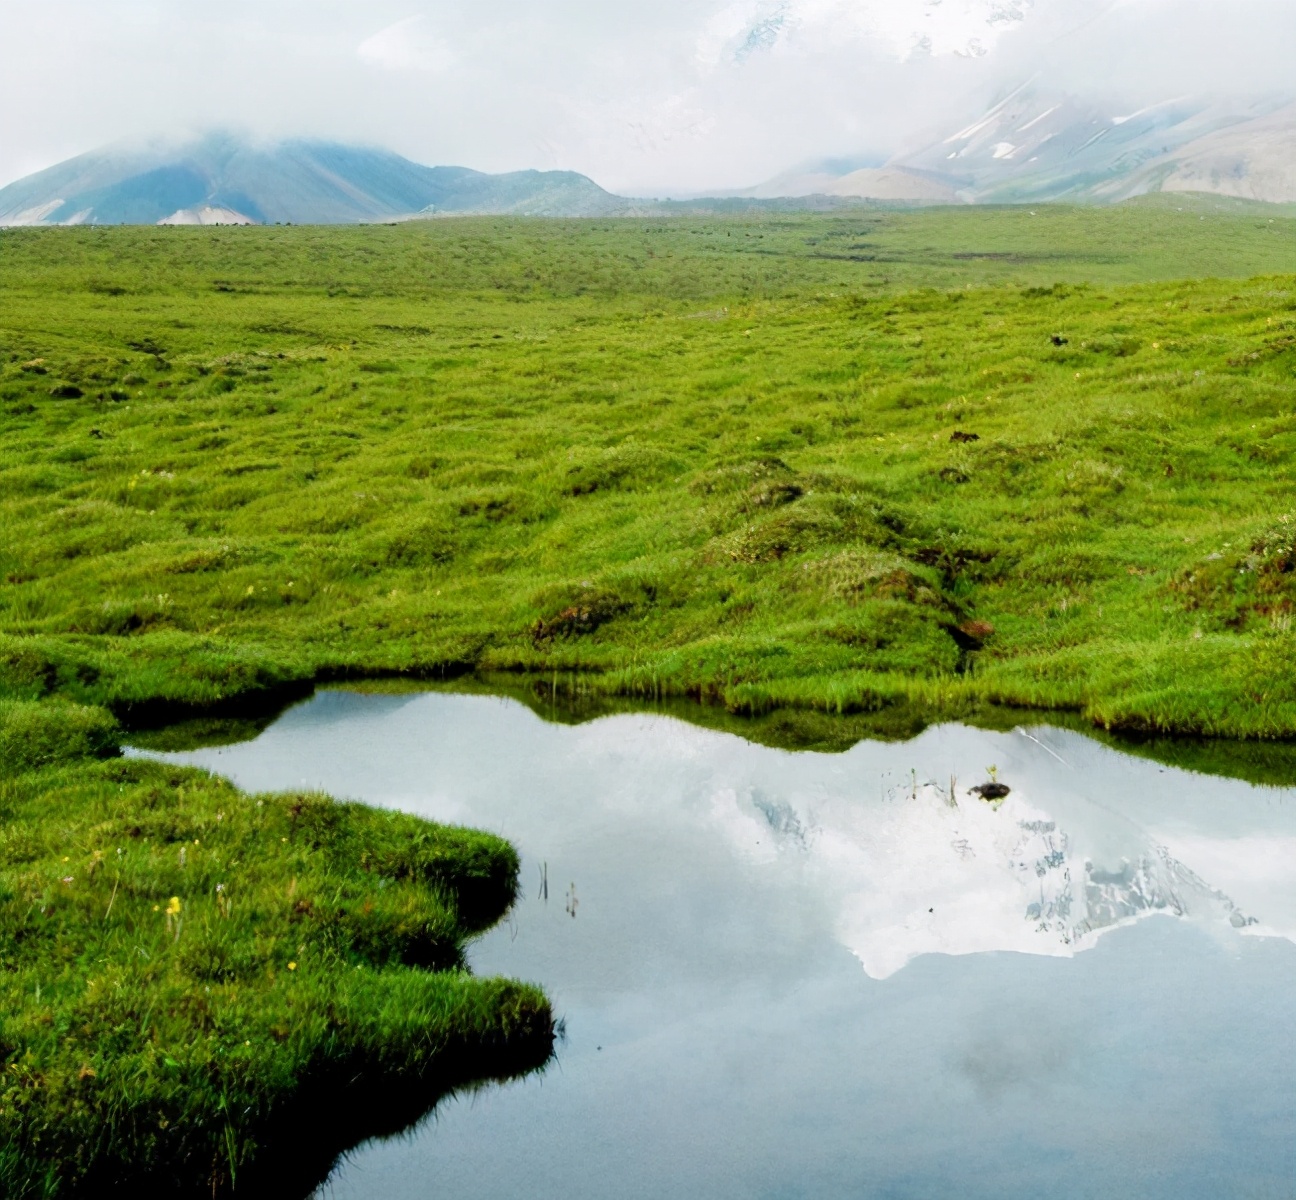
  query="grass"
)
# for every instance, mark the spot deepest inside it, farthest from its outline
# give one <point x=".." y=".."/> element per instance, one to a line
<point x="774" y="463"/>
<point x="206" y="991"/>
<point x="890" y="465"/>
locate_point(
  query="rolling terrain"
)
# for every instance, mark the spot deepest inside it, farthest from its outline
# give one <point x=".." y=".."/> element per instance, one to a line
<point x="946" y="458"/>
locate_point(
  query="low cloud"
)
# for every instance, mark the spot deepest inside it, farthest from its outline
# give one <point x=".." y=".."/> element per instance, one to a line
<point x="660" y="97"/>
<point x="408" y="45"/>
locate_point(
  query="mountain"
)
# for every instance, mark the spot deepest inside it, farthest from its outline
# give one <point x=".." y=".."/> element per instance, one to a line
<point x="223" y="179"/>
<point x="1035" y="146"/>
<point x="1255" y="160"/>
<point x="887" y="183"/>
<point x="1032" y="146"/>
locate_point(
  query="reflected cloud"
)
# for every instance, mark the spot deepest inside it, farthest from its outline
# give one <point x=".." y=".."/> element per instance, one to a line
<point x="861" y="847"/>
<point x="923" y="872"/>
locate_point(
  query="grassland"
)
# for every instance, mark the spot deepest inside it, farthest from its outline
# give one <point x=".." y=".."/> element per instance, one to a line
<point x="894" y="465"/>
<point x="731" y="459"/>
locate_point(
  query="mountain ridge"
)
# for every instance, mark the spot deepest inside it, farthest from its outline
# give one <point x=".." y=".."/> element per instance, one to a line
<point x="1037" y="146"/>
<point x="1032" y="146"/>
<point x="221" y="178"/>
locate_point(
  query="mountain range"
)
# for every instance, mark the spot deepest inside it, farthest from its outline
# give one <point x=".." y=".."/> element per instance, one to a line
<point x="224" y="179"/>
<point x="1031" y="146"/>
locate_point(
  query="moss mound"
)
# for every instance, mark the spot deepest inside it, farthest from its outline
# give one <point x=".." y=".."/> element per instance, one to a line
<point x="205" y="991"/>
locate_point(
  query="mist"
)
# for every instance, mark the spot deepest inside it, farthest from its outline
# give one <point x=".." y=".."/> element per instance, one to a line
<point x="660" y="98"/>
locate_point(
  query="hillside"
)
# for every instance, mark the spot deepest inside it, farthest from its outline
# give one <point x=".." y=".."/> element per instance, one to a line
<point x="1037" y="145"/>
<point x="1252" y="161"/>
<point x="891" y="184"/>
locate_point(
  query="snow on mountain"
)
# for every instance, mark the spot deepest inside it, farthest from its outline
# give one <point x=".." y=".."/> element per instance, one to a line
<point x="921" y="872"/>
<point x="1035" y="146"/>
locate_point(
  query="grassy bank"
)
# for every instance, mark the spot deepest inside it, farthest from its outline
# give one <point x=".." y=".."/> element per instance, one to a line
<point x="938" y="459"/>
<point x="207" y="992"/>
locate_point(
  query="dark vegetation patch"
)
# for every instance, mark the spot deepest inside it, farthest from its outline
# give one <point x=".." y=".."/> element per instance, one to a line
<point x="627" y="467"/>
<point x="1240" y="585"/>
<point x="576" y="611"/>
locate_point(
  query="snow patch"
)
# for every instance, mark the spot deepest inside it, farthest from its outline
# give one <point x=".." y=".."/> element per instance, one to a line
<point x="32" y="216"/>
<point x="207" y="214"/>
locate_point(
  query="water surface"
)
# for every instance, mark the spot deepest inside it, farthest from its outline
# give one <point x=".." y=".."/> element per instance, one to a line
<point x="822" y="976"/>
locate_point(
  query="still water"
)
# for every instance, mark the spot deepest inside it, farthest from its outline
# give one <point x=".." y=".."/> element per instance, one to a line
<point x="820" y="976"/>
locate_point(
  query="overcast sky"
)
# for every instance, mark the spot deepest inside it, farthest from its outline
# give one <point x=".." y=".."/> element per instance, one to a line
<point x="647" y="96"/>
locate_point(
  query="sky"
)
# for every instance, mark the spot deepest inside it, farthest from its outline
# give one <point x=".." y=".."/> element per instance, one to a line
<point x="649" y="97"/>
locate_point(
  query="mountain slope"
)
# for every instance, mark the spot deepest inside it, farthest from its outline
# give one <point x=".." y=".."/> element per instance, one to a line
<point x="1252" y="161"/>
<point x="1036" y="146"/>
<point x="221" y="178"/>
<point x="889" y="183"/>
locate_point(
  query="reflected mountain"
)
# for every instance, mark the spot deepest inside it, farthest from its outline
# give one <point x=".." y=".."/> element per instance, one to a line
<point x="924" y="871"/>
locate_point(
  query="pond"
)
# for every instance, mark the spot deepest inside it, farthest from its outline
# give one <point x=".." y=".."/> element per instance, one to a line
<point x="802" y="975"/>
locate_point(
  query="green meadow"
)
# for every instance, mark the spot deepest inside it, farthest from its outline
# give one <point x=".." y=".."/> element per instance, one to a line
<point x="953" y="458"/>
<point x="897" y="466"/>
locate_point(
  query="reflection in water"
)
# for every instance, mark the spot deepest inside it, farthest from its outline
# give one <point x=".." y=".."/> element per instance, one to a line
<point x="922" y="874"/>
<point x="713" y="903"/>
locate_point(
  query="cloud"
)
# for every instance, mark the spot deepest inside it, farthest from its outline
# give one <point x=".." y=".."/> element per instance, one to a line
<point x="898" y="28"/>
<point x="647" y="96"/>
<point x="408" y="45"/>
<point x="906" y="28"/>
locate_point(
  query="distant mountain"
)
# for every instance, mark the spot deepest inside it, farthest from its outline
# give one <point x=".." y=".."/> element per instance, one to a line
<point x="1035" y="146"/>
<point x="887" y="183"/>
<point x="1030" y="147"/>
<point x="1254" y="160"/>
<point x="222" y="179"/>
